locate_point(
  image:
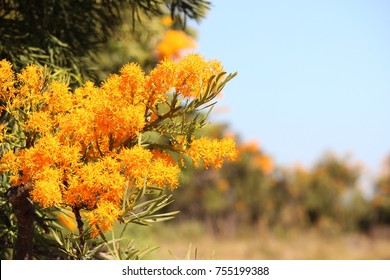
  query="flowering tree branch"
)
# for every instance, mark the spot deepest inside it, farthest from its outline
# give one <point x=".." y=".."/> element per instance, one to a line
<point x="106" y="152"/>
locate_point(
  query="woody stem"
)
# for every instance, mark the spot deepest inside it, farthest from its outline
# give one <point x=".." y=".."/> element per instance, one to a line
<point x="80" y="227"/>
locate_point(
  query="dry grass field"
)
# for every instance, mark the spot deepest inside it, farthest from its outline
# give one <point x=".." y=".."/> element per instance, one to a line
<point x="178" y="240"/>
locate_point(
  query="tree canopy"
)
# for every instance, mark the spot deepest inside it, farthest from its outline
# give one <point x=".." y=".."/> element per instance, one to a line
<point x="65" y="35"/>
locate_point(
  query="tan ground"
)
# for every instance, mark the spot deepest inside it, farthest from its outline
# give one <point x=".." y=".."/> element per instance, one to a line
<point x="177" y="241"/>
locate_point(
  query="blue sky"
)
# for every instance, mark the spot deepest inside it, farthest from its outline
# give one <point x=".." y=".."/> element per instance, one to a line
<point x="313" y="76"/>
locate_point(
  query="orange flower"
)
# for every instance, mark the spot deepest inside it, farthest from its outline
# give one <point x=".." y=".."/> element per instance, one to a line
<point x="167" y="21"/>
<point x="136" y="163"/>
<point x="194" y="73"/>
<point x="161" y="80"/>
<point x="212" y="152"/>
<point x="68" y="220"/>
<point x="7" y="81"/>
<point x="47" y="190"/>
<point x="132" y="86"/>
<point x="10" y="163"/>
<point x="58" y="98"/>
<point x="103" y="217"/>
<point x="40" y="122"/>
<point x="189" y="76"/>
<point x="96" y="181"/>
<point x="264" y="163"/>
<point x="31" y="80"/>
<point x="164" y="171"/>
<point x="173" y="43"/>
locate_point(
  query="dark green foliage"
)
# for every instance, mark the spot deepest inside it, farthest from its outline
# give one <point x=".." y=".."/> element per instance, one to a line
<point x="65" y="35"/>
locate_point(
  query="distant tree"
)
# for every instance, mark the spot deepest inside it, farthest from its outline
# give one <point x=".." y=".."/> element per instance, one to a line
<point x="381" y="200"/>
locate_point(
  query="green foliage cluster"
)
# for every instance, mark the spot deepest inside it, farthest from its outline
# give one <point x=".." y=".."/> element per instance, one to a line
<point x="67" y="36"/>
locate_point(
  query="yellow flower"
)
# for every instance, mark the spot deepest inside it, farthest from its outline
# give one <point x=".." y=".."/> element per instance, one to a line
<point x="189" y="76"/>
<point x="44" y="154"/>
<point x="161" y="80"/>
<point x="132" y="84"/>
<point x="136" y="163"/>
<point x="40" y="122"/>
<point x="11" y="163"/>
<point x="150" y="168"/>
<point x="31" y="81"/>
<point x="76" y="126"/>
<point x="47" y="188"/>
<point x="194" y="73"/>
<point x="103" y="217"/>
<point x="7" y="81"/>
<point x="128" y="88"/>
<point x="58" y="98"/>
<point x="164" y="172"/>
<point x="211" y="152"/>
<point x="116" y="111"/>
<point x="96" y="181"/>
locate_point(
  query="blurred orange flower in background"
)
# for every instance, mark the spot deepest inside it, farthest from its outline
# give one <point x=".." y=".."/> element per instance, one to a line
<point x="258" y="159"/>
<point x="174" y="43"/>
<point x="264" y="163"/>
<point x="68" y="220"/>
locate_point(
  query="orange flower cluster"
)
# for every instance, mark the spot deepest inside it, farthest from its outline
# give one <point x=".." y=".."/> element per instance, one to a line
<point x="83" y="152"/>
<point x="24" y="90"/>
<point x="211" y="152"/>
<point x="189" y="76"/>
<point x="157" y="167"/>
<point x="6" y="79"/>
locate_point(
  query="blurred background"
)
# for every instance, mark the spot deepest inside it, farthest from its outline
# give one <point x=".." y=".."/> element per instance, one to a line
<point x="308" y="109"/>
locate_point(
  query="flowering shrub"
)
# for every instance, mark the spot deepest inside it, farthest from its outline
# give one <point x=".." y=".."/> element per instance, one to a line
<point x="99" y="150"/>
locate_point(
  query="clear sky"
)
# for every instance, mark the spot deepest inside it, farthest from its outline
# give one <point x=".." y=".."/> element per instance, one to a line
<point x="313" y="76"/>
